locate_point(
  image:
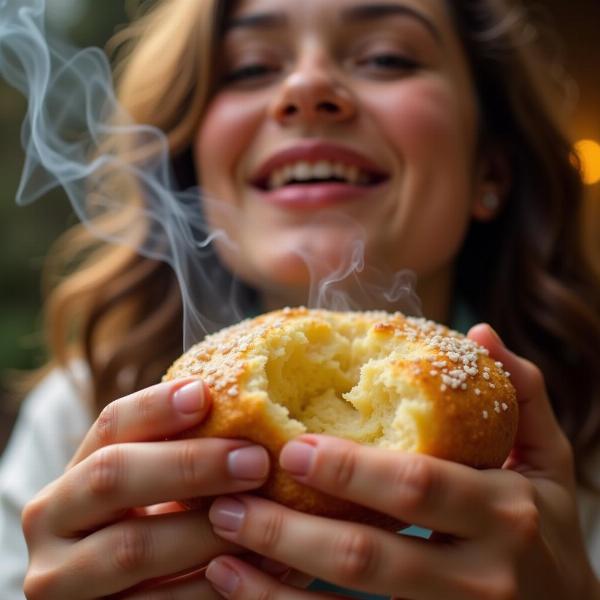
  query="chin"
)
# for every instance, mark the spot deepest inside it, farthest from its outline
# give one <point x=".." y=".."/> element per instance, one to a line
<point x="290" y="263"/>
<point x="319" y="250"/>
<point x="286" y="274"/>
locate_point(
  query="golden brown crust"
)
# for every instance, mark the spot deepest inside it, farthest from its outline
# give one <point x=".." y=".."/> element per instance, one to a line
<point x="473" y="409"/>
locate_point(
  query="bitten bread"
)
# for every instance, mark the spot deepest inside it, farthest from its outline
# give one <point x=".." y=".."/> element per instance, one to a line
<point x="380" y="379"/>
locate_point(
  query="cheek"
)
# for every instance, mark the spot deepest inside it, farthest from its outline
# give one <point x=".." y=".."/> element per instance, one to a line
<point x="431" y="129"/>
<point x="424" y="119"/>
<point x="226" y="132"/>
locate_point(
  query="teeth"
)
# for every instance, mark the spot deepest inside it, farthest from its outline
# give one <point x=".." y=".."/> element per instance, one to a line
<point x="288" y="173"/>
<point x="323" y="169"/>
<point x="303" y="171"/>
<point x="339" y="170"/>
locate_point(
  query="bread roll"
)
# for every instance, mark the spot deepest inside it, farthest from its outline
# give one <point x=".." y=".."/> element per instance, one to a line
<point x="381" y="379"/>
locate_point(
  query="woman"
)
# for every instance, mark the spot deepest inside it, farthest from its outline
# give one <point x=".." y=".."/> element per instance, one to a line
<point x="454" y="166"/>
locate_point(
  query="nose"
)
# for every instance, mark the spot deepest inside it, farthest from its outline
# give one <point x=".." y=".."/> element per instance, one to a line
<point x="310" y="94"/>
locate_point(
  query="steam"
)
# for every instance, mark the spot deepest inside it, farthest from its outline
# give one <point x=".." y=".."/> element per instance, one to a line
<point x="76" y="136"/>
<point x="345" y="281"/>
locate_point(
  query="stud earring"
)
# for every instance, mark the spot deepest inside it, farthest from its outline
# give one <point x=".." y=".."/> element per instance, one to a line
<point x="490" y="201"/>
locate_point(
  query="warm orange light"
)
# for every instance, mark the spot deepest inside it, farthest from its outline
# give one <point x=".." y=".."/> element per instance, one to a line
<point x="589" y="153"/>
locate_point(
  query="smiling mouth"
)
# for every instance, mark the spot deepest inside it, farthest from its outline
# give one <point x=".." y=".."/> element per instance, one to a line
<point x="322" y="172"/>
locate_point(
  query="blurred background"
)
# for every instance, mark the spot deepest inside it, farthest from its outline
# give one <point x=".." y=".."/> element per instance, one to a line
<point x="28" y="232"/>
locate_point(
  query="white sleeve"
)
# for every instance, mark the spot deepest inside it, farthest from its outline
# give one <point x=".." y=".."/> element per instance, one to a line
<point x="51" y="424"/>
<point x="589" y="510"/>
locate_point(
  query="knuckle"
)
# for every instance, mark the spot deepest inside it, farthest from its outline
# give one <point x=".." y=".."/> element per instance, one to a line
<point x="523" y="489"/>
<point x="144" y="406"/>
<point x="106" y="471"/>
<point x="192" y="469"/>
<point x="270" y="532"/>
<point x="345" y="466"/>
<point x="133" y="548"/>
<point x="31" y="516"/>
<point x="526" y="525"/>
<point x="354" y="553"/>
<point x="414" y="483"/>
<point x="519" y="516"/>
<point x="107" y="424"/>
<point x="40" y="584"/>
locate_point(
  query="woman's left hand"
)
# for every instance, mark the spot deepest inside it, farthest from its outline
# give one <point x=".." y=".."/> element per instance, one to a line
<point x="510" y="533"/>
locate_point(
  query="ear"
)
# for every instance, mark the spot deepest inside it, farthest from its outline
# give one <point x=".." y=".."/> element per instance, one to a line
<point x="492" y="183"/>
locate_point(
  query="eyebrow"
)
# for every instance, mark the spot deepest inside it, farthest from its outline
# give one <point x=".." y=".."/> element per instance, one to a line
<point x="359" y="12"/>
<point x="380" y="11"/>
<point x="256" y="21"/>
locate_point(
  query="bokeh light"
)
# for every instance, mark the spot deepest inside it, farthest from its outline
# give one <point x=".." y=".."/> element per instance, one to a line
<point x="589" y="153"/>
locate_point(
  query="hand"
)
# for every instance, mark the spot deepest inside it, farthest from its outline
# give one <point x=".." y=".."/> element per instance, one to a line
<point x="510" y="533"/>
<point x="109" y="524"/>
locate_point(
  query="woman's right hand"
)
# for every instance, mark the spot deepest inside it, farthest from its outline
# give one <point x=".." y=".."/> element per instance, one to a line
<point x="97" y="530"/>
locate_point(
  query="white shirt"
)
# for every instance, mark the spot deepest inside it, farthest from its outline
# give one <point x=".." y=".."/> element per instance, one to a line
<point x="52" y="422"/>
<point x="50" y="427"/>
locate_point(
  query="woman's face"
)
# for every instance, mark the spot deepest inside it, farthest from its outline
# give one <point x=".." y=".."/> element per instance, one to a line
<point x="336" y="120"/>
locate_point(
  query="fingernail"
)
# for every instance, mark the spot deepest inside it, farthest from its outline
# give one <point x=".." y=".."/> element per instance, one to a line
<point x="249" y="462"/>
<point x="297" y="457"/>
<point x="224" y="578"/>
<point x="227" y="514"/>
<point x="189" y="398"/>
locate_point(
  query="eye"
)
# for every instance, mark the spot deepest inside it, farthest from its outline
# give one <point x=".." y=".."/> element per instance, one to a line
<point x="389" y="61"/>
<point x="249" y="72"/>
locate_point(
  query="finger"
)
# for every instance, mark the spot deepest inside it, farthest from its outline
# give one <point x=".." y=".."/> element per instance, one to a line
<point x="149" y="414"/>
<point x="279" y="570"/>
<point x="271" y="567"/>
<point x="119" y="477"/>
<point x="347" y="554"/>
<point x="540" y="441"/>
<point x="235" y="579"/>
<point x="140" y="550"/>
<point x="414" y="488"/>
<point x="190" y="588"/>
<point x="298" y="579"/>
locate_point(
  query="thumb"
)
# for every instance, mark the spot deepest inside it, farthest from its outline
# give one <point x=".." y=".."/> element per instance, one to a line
<point x="540" y="443"/>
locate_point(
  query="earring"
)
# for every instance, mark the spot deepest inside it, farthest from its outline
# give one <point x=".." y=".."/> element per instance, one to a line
<point x="490" y="201"/>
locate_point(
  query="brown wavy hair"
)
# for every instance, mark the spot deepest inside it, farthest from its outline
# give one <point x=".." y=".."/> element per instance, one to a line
<point x="526" y="273"/>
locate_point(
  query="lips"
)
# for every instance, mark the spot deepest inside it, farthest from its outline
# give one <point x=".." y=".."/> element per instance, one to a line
<point x="316" y="164"/>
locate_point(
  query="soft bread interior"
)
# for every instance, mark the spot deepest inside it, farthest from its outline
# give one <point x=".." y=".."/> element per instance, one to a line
<point x="343" y="382"/>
